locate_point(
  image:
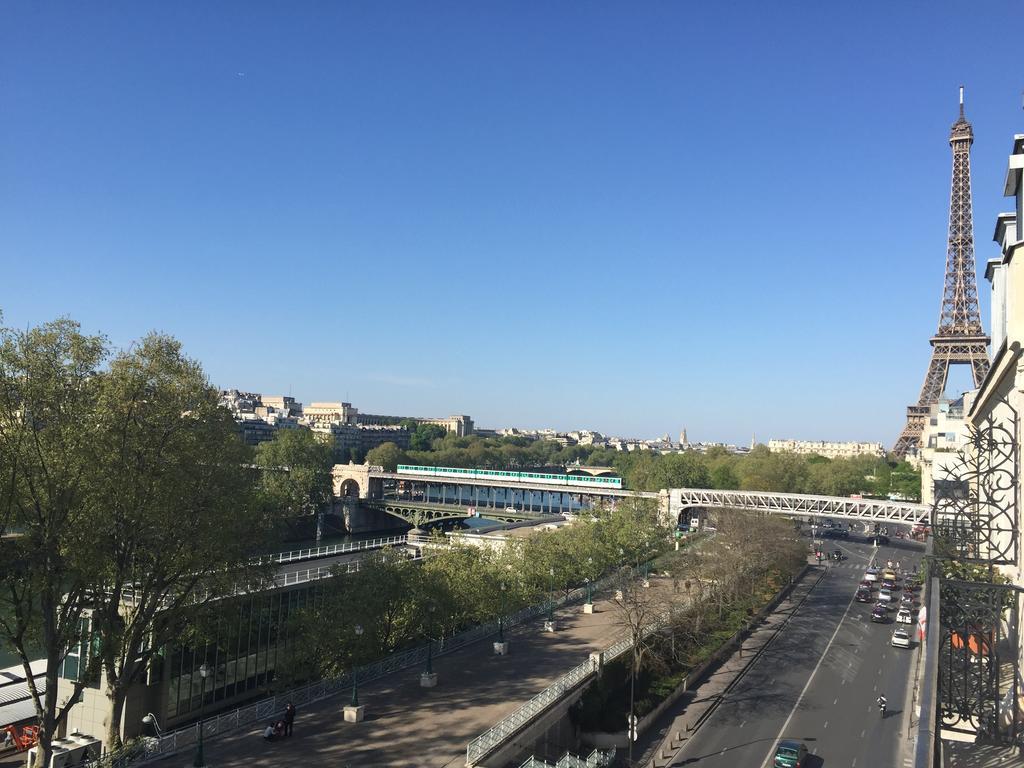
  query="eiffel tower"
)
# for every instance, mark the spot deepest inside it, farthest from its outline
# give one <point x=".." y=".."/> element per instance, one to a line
<point x="960" y="339"/>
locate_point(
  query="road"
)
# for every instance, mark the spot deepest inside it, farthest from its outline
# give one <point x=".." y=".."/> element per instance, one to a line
<point x="817" y="681"/>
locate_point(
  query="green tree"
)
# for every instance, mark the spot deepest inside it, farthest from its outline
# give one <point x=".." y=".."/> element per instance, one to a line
<point x="296" y="472"/>
<point x="180" y="524"/>
<point x="49" y="509"/>
<point x="424" y="436"/>
<point x="387" y="455"/>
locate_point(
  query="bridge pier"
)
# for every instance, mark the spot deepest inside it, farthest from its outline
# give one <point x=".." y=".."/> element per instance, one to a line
<point x="361" y="519"/>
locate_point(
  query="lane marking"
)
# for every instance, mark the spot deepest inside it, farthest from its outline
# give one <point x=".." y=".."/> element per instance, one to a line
<point x="741" y="724"/>
<point x="824" y="653"/>
<point x="826" y="723"/>
<point x="834" y="702"/>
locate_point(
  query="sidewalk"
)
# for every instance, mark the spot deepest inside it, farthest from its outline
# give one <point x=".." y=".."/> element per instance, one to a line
<point x="658" y="745"/>
<point x="407" y="725"/>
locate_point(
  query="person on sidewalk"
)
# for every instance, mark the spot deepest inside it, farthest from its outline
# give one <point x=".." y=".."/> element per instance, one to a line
<point x="289" y="718"/>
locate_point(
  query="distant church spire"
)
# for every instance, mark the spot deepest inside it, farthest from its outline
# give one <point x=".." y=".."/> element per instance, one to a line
<point x="753" y="440"/>
<point x="682" y="437"/>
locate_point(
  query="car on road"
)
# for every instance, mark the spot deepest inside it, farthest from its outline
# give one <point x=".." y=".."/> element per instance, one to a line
<point x="907" y="601"/>
<point x="884" y="595"/>
<point x="904" y="616"/>
<point x="878" y="538"/>
<point x="871" y="574"/>
<point x="863" y="595"/>
<point x="888" y="584"/>
<point x="889" y="574"/>
<point x="879" y="614"/>
<point x="836" y="554"/>
<point x="865" y="584"/>
<point x="901" y="638"/>
<point x="790" y="754"/>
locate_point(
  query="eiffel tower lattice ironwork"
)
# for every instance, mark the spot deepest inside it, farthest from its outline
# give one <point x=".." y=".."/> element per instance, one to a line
<point x="960" y="339"/>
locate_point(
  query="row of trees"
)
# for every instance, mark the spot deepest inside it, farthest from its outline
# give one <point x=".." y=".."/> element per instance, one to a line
<point x="126" y="499"/>
<point x="398" y="603"/>
<point x="714" y="589"/>
<point x="759" y="470"/>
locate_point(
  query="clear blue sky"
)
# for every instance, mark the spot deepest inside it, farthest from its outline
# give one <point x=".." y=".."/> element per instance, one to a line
<point x="624" y="216"/>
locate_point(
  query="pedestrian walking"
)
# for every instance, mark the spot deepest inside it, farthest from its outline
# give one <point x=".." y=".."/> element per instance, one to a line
<point x="289" y="718"/>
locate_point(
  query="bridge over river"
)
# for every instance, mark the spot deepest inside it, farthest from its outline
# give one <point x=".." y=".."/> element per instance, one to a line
<point x="431" y="494"/>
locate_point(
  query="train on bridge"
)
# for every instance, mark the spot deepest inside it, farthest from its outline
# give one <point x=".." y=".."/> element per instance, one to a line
<point x="525" y="478"/>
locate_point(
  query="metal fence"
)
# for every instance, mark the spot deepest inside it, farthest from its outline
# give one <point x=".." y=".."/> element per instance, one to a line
<point x="313" y="553"/>
<point x="596" y="759"/>
<point x="500" y="732"/>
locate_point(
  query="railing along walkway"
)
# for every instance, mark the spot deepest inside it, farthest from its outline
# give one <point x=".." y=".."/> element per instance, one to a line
<point x="503" y="730"/>
<point x="313" y="553"/>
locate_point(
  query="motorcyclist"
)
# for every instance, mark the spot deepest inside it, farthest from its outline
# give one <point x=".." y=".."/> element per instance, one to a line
<point x="882" y="701"/>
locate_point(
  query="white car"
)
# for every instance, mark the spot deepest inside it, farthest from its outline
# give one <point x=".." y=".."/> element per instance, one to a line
<point x="871" y="574"/>
<point x="884" y="595"/>
<point x="904" y="617"/>
<point x="901" y="638"/>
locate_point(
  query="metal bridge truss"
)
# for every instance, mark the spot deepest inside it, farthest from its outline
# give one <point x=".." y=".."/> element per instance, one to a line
<point x="874" y="510"/>
<point x="420" y="513"/>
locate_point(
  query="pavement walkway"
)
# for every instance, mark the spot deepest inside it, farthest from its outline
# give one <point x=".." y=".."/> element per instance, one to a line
<point x="407" y="725"/>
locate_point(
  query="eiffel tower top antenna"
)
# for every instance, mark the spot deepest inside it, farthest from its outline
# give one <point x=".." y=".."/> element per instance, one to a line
<point x="960" y="338"/>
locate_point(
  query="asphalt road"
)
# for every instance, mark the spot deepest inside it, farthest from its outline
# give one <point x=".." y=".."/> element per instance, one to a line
<point x="818" y="680"/>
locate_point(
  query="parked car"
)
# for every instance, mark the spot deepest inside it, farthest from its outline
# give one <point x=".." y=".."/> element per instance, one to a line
<point x="901" y="638"/>
<point x="889" y="574"/>
<point x="904" y="616"/>
<point x="790" y="754"/>
<point x="879" y="614"/>
<point x="907" y="601"/>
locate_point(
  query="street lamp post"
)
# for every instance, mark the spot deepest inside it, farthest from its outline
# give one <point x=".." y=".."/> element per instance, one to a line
<point x="200" y="761"/>
<point x="501" y="616"/>
<point x="358" y="629"/>
<point x="501" y="646"/>
<point x="551" y="594"/>
<point x="429" y="677"/>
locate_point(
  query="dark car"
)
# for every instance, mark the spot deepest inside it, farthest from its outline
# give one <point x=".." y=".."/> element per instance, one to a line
<point x="880" y="614"/>
<point x="878" y="538"/>
<point x="840" y="533"/>
<point x="836" y="554"/>
<point x="790" y="754"/>
<point x="863" y="595"/>
<point x="888" y="584"/>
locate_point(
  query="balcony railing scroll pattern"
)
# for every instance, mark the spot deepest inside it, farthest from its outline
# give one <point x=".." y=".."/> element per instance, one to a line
<point x="974" y="519"/>
<point x="975" y="509"/>
<point x="975" y="621"/>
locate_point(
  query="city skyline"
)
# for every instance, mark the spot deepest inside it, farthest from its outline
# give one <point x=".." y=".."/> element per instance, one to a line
<point x="601" y="218"/>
